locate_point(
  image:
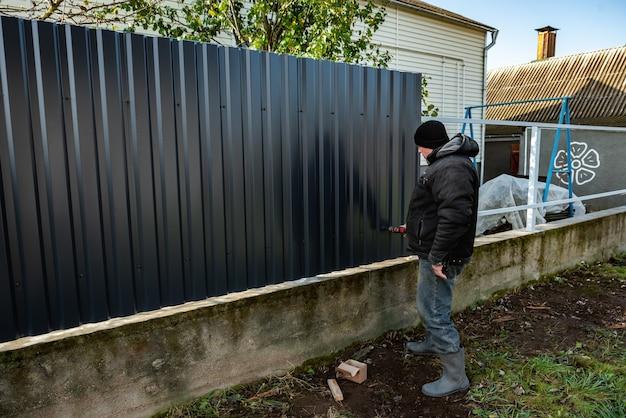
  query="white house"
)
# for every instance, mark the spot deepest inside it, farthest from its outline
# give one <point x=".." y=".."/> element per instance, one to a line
<point x="447" y="48"/>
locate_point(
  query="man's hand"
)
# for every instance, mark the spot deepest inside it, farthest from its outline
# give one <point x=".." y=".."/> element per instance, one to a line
<point x="438" y="270"/>
<point x="398" y="229"/>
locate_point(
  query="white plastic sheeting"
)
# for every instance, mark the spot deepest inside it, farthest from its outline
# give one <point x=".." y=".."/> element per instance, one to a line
<point x="506" y="191"/>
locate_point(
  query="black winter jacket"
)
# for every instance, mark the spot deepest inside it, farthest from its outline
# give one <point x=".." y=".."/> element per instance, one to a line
<point x="441" y="222"/>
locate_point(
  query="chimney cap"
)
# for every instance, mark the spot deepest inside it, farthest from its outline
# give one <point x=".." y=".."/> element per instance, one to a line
<point x="547" y="29"/>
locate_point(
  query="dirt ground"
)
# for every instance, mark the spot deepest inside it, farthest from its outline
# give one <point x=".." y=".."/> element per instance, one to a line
<point x="546" y="318"/>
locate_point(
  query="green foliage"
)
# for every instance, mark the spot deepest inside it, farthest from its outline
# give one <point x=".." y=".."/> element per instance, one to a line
<point x="337" y="30"/>
<point x="428" y="109"/>
<point x="589" y="380"/>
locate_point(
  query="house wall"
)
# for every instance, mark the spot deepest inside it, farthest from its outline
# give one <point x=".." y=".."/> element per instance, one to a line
<point x="449" y="55"/>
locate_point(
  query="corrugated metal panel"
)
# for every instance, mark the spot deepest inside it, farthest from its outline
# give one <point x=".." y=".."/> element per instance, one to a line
<point x="596" y="81"/>
<point x="141" y="172"/>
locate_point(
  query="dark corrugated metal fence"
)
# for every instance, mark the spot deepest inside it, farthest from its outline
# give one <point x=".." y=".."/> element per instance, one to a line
<point x="140" y="172"/>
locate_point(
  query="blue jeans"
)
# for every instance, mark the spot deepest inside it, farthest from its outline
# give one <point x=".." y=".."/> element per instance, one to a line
<point x="434" y="305"/>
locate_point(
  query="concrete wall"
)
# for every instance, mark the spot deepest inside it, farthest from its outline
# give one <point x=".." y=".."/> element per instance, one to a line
<point x="601" y="153"/>
<point x="136" y="365"/>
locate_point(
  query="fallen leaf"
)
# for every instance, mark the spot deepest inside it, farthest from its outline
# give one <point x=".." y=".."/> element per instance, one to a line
<point x="618" y="326"/>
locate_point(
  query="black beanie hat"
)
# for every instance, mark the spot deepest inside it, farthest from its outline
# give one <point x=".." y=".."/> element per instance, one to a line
<point x="431" y="134"/>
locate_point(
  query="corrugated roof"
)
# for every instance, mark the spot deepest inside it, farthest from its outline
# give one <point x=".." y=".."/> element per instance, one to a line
<point x="596" y="81"/>
<point x="445" y="14"/>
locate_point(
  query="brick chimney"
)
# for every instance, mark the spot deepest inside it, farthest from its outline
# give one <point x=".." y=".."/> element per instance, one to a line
<point x="546" y="42"/>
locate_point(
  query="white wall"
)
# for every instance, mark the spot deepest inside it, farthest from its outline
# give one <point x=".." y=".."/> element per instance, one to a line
<point x="449" y="55"/>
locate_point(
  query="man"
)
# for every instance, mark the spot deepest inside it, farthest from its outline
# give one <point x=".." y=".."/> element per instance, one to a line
<point x="441" y="225"/>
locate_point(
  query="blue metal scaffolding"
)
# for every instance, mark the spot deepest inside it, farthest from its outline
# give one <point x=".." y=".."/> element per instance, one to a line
<point x="564" y="118"/>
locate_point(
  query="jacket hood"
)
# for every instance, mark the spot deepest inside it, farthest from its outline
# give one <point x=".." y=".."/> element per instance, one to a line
<point x="460" y="145"/>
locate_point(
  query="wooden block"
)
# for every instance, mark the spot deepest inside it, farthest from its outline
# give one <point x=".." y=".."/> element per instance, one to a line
<point x="347" y="369"/>
<point x="335" y="390"/>
<point x="352" y="370"/>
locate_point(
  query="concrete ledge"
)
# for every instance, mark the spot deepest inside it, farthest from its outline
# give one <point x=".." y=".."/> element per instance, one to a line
<point x="139" y="364"/>
<point x="506" y="260"/>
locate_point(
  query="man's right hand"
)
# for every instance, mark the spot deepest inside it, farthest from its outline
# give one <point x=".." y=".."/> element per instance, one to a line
<point x="438" y="270"/>
<point x="398" y="229"/>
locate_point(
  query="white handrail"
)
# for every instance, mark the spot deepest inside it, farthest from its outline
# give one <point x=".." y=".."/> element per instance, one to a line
<point x="534" y="158"/>
<point x="551" y="203"/>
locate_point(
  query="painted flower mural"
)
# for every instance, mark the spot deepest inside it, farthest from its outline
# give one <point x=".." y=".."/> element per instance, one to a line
<point x="584" y="160"/>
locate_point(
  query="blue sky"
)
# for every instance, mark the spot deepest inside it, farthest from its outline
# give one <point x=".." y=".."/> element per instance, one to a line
<point x="584" y="25"/>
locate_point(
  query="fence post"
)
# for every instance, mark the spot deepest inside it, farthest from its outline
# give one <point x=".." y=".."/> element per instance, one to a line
<point x="533" y="175"/>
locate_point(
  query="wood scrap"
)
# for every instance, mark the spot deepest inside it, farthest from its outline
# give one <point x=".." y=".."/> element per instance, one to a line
<point x="335" y="390"/>
<point x="352" y="370"/>
<point x="504" y="318"/>
<point x="348" y="369"/>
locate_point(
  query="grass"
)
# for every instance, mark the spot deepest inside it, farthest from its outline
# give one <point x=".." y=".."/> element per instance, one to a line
<point x="224" y="402"/>
<point x="588" y="380"/>
<point x="256" y="400"/>
<point x="617" y="271"/>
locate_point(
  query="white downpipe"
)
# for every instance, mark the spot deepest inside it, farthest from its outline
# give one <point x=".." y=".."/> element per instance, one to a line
<point x="494" y="36"/>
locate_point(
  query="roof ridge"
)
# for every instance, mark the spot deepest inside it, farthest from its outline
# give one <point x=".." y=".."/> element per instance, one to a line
<point x="552" y="59"/>
<point x="433" y="10"/>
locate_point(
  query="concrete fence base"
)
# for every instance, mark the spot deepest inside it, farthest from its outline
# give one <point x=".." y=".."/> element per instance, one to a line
<point x="136" y="365"/>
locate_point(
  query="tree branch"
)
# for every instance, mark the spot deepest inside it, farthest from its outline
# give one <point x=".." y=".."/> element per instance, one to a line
<point x="235" y="20"/>
<point x="53" y="7"/>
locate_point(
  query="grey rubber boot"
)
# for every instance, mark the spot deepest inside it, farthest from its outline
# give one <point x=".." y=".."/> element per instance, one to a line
<point x="421" y="348"/>
<point x="453" y="379"/>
